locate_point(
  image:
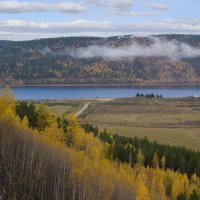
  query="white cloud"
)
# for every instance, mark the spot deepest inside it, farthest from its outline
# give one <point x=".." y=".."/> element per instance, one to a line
<point x="158" y="48"/>
<point x="117" y="4"/>
<point x="15" y="6"/>
<point x="94" y="28"/>
<point x="134" y="14"/>
<point x="81" y="25"/>
<point x="158" y="6"/>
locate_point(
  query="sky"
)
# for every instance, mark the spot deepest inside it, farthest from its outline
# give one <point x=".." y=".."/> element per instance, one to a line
<point x="28" y="19"/>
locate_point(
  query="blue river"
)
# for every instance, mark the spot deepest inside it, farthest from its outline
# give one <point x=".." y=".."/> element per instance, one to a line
<point x="44" y="92"/>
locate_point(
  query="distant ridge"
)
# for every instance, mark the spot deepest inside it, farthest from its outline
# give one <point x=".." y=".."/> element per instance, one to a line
<point x="5" y="42"/>
<point x="96" y="60"/>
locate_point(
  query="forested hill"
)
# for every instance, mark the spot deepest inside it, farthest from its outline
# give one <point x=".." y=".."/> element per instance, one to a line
<point x="166" y="59"/>
<point x="49" y="157"/>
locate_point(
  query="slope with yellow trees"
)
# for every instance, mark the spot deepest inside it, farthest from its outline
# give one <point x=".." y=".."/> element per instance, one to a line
<point x="37" y="164"/>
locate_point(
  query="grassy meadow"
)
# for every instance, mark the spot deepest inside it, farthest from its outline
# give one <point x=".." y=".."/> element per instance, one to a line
<point x="67" y="106"/>
<point x="167" y="121"/>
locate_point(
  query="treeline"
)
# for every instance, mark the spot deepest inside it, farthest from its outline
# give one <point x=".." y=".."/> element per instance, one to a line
<point x="126" y="149"/>
<point x="65" y="163"/>
<point x="150" y="96"/>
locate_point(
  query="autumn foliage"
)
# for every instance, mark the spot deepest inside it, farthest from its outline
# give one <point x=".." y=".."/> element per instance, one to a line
<point x="56" y="164"/>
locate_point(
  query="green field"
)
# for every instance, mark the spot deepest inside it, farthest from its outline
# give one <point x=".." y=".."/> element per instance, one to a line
<point x="168" y="121"/>
<point x="67" y="106"/>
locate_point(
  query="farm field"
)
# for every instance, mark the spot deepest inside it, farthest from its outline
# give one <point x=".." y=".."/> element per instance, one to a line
<point x="167" y="121"/>
<point x="70" y="106"/>
<point x="67" y="106"/>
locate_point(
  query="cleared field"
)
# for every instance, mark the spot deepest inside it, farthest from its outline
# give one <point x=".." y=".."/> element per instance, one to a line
<point x="68" y="106"/>
<point x="168" y="121"/>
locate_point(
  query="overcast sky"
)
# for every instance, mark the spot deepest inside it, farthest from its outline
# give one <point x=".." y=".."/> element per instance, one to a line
<point x="27" y="19"/>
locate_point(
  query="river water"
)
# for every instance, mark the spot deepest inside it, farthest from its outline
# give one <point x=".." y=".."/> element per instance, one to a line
<point x="44" y="92"/>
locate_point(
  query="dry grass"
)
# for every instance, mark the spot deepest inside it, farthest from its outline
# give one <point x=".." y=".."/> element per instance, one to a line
<point x="168" y="121"/>
<point x="68" y="106"/>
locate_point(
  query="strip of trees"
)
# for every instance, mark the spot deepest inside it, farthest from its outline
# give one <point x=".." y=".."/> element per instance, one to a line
<point x="150" y="96"/>
<point x="125" y="149"/>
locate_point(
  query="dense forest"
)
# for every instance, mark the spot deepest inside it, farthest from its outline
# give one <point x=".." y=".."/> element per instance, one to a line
<point x="155" y="155"/>
<point x="47" y="157"/>
<point x="48" y="61"/>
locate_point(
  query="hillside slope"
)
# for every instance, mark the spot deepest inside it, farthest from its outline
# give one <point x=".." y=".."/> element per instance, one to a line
<point x="60" y="161"/>
<point x="72" y="60"/>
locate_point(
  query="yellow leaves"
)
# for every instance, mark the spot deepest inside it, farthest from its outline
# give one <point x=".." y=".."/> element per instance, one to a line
<point x="7" y="99"/>
<point x="52" y="120"/>
<point x="180" y="185"/>
<point x="77" y="137"/>
<point x="195" y="179"/>
<point x="176" y="189"/>
<point x="106" y="179"/>
<point x="92" y="179"/>
<point x="8" y="114"/>
<point x="81" y="141"/>
<point x="25" y="122"/>
<point x="93" y="148"/>
<point x="7" y="105"/>
<point x="74" y="133"/>
<point x="140" y="158"/>
<point x="73" y="122"/>
<point x="54" y="135"/>
<point x="185" y="185"/>
<point x="157" y="185"/>
<point x="142" y="190"/>
<point x="125" y="177"/>
<point x="81" y="178"/>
